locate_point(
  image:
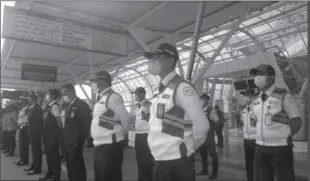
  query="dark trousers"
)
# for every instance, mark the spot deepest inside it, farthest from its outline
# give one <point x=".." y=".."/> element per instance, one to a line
<point x="2" y="140"/>
<point x="24" y="144"/>
<point x="274" y="162"/>
<point x="219" y="133"/>
<point x="53" y="159"/>
<point x="108" y="160"/>
<point x="11" y="141"/>
<point x="205" y="150"/>
<point x="36" y="151"/>
<point x="5" y="141"/>
<point x="249" y="153"/>
<point x="182" y="169"/>
<point x="75" y="163"/>
<point x="144" y="158"/>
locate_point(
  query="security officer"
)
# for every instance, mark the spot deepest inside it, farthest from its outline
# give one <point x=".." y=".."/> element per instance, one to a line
<point x="109" y="128"/>
<point x="278" y="120"/>
<point x="75" y="132"/>
<point x="249" y="119"/>
<point x="51" y="135"/>
<point x="4" y="130"/>
<point x="208" y="147"/>
<point x="178" y="124"/>
<point x="23" y="134"/>
<point x="143" y="153"/>
<point x="35" y="126"/>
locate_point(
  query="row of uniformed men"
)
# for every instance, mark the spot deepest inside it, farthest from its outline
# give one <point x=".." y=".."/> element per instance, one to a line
<point x="271" y="117"/>
<point x="168" y="129"/>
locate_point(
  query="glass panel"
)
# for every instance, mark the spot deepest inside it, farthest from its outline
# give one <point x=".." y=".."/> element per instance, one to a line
<point x="251" y="21"/>
<point x="269" y="14"/>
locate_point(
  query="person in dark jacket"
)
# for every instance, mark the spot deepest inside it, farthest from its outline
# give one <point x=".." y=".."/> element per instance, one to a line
<point x="219" y="126"/>
<point x="77" y="126"/>
<point x="209" y="146"/>
<point x="35" y="126"/>
<point x="52" y="126"/>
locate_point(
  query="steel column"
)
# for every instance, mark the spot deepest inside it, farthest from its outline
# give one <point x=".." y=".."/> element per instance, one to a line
<point x="303" y="88"/>
<point x="222" y="45"/>
<point x="195" y="40"/>
<point x="222" y="87"/>
<point x="78" y="82"/>
<point x="212" y="91"/>
<point x="7" y="57"/>
<point x="227" y="123"/>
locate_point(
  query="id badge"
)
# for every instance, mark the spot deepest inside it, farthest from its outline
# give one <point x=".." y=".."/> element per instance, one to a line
<point x="72" y="115"/>
<point x="268" y="119"/>
<point x="160" y="111"/>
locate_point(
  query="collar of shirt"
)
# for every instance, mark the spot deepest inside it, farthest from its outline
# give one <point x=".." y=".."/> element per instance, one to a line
<point x="269" y="91"/>
<point x="169" y="77"/>
<point x="33" y="106"/>
<point x="52" y="102"/>
<point x="104" y="91"/>
<point x="73" y="100"/>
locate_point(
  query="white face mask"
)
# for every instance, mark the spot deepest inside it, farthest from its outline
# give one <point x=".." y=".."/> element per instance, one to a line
<point x="260" y="81"/>
<point x="47" y="98"/>
<point x="94" y="87"/>
<point x="66" y="99"/>
<point x="154" y="67"/>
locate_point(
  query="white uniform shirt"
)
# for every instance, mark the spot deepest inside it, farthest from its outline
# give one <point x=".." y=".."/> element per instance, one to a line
<point x="270" y="133"/>
<point x="142" y="121"/>
<point x="23" y="117"/>
<point x="114" y="103"/>
<point x="249" y="119"/>
<point x="187" y="99"/>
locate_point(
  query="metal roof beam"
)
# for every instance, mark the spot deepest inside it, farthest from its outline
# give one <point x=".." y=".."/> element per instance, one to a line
<point x="7" y="57"/>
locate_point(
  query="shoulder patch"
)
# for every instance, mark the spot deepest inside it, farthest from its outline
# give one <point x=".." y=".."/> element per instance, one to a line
<point x="188" y="91"/>
<point x="290" y="98"/>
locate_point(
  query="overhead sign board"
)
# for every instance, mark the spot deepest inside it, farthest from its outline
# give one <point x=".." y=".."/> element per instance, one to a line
<point x="16" y="95"/>
<point x="39" y="73"/>
<point x="32" y="26"/>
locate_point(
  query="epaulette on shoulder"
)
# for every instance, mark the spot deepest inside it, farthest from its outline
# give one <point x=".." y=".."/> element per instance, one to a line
<point x="280" y="91"/>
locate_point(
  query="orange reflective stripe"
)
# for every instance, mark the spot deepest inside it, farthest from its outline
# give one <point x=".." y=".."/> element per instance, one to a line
<point x="175" y="118"/>
<point x="107" y="118"/>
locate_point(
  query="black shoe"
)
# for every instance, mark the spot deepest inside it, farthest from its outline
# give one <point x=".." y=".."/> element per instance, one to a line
<point x="203" y="172"/>
<point x="22" y="163"/>
<point x="28" y="169"/>
<point x="34" y="173"/>
<point x="9" y="155"/>
<point x="17" y="162"/>
<point x="213" y="176"/>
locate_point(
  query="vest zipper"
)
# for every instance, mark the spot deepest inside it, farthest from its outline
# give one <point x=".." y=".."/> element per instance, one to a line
<point x="262" y="124"/>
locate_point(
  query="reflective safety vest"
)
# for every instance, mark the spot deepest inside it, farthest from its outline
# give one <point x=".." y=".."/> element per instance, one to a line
<point x="142" y="117"/>
<point x="272" y="121"/>
<point x="170" y="133"/>
<point x="106" y="127"/>
<point x="249" y="120"/>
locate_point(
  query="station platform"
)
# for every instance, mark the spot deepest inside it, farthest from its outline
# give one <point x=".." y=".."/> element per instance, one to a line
<point x="230" y="167"/>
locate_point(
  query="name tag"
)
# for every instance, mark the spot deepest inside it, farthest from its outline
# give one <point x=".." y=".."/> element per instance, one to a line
<point x="273" y="101"/>
<point x="102" y="102"/>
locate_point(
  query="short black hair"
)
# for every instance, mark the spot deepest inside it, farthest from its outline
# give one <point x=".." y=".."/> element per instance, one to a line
<point x="55" y="93"/>
<point x="69" y="87"/>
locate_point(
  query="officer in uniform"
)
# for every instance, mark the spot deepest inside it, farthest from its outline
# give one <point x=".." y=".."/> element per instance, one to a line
<point x="4" y="130"/>
<point x="75" y="132"/>
<point x="278" y="120"/>
<point x="35" y="126"/>
<point x="178" y="125"/>
<point x="208" y="147"/>
<point x="51" y="135"/>
<point x="249" y="119"/>
<point x="23" y="134"/>
<point x="143" y="153"/>
<point x="109" y="128"/>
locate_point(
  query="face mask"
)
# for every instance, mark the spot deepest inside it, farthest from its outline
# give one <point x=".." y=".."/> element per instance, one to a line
<point x="154" y="67"/>
<point x="66" y="99"/>
<point x="260" y="81"/>
<point x="94" y="87"/>
<point x="47" y="98"/>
